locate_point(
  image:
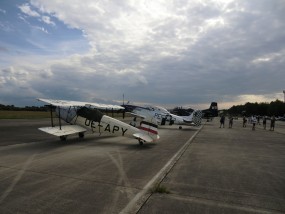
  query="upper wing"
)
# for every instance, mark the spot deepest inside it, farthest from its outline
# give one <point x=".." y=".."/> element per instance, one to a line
<point x="67" y="103"/>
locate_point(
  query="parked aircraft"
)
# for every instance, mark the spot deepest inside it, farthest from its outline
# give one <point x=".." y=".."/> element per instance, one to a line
<point x="281" y="118"/>
<point x="209" y="113"/>
<point x="163" y="116"/>
<point x="83" y="116"/>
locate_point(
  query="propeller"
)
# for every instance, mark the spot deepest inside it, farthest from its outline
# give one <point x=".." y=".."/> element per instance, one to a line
<point x="124" y="110"/>
<point x="125" y="107"/>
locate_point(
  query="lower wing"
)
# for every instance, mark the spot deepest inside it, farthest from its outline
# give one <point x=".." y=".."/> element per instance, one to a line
<point x="64" y="130"/>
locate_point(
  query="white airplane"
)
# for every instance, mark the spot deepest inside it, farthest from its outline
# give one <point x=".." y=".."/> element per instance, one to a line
<point x="163" y="116"/>
<point x="84" y="116"/>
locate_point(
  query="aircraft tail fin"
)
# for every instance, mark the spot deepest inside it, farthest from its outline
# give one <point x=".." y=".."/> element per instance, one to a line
<point x="197" y="117"/>
<point x="214" y="109"/>
<point x="149" y="128"/>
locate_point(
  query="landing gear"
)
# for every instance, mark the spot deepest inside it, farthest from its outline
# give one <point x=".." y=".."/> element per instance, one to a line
<point x="141" y="142"/>
<point x="180" y="127"/>
<point x="63" y="138"/>
<point x="81" y="134"/>
<point x="133" y="123"/>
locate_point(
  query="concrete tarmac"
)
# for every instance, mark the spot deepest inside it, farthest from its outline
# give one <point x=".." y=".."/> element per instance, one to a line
<point x="211" y="170"/>
<point x="226" y="171"/>
<point x="97" y="174"/>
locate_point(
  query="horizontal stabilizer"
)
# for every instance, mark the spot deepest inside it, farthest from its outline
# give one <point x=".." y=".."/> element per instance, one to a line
<point x="143" y="137"/>
<point x="65" y="130"/>
<point x="194" y="119"/>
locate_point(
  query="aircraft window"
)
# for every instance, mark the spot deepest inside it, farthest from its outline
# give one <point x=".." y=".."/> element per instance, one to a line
<point x="90" y="114"/>
<point x="150" y="108"/>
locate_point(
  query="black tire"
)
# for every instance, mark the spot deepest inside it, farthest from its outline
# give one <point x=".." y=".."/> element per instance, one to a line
<point x="63" y="138"/>
<point x="81" y="134"/>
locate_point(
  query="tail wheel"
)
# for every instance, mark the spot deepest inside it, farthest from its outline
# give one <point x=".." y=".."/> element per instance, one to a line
<point x="81" y="134"/>
<point x="63" y="138"/>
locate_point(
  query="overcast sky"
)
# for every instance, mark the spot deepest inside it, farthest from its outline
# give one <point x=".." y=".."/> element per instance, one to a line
<point x="162" y="52"/>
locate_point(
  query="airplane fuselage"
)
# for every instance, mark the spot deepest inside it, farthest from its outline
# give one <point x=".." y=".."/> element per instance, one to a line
<point x="106" y="125"/>
<point x="96" y="122"/>
<point x="162" y="116"/>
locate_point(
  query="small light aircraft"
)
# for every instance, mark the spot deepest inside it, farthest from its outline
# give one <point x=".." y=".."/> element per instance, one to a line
<point x="83" y="116"/>
<point x="163" y="116"/>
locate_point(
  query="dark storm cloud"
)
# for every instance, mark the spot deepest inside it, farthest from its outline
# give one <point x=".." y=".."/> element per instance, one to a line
<point x="161" y="52"/>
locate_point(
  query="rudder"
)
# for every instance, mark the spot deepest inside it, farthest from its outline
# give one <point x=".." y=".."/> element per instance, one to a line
<point x="197" y="117"/>
<point x="150" y="128"/>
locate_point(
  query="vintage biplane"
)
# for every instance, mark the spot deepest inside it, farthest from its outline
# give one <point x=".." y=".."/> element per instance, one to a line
<point x="87" y="116"/>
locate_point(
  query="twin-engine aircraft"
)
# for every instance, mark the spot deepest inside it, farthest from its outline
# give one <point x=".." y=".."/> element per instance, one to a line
<point x="163" y="116"/>
<point x="211" y="112"/>
<point x="84" y="116"/>
<point x="208" y="114"/>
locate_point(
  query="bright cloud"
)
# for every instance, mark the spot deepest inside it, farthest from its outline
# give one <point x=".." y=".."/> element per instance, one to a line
<point x="2" y="11"/>
<point x="47" y="20"/>
<point x="25" y="8"/>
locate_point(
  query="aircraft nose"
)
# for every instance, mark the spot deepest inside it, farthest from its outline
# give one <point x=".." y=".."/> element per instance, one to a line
<point x="128" y="107"/>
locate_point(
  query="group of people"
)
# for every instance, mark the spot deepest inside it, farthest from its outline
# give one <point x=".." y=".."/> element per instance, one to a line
<point x="222" y="122"/>
<point x="256" y="120"/>
<point x="251" y="120"/>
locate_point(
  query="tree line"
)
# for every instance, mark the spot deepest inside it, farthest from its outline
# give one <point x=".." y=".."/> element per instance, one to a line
<point x="276" y="108"/>
<point x="26" y="108"/>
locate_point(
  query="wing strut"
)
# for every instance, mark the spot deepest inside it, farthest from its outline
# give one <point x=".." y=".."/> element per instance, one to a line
<point x="51" y="117"/>
<point x="59" y="120"/>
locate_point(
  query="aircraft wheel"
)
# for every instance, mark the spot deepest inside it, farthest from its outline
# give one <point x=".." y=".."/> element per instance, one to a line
<point x="81" y="134"/>
<point x="180" y="127"/>
<point x="141" y="142"/>
<point x="63" y="138"/>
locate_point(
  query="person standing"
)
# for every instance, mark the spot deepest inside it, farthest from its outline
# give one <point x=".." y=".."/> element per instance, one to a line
<point x="253" y="121"/>
<point x="249" y="120"/>
<point x="222" y="121"/>
<point x="264" y="122"/>
<point x="231" y="119"/>
<point x="244" y="120"/>
<point x="272" y="123"/>
<point x="258" y="119"/>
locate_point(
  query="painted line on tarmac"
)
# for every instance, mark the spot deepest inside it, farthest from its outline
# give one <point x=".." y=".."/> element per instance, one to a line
<point x="141" y="197"/>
